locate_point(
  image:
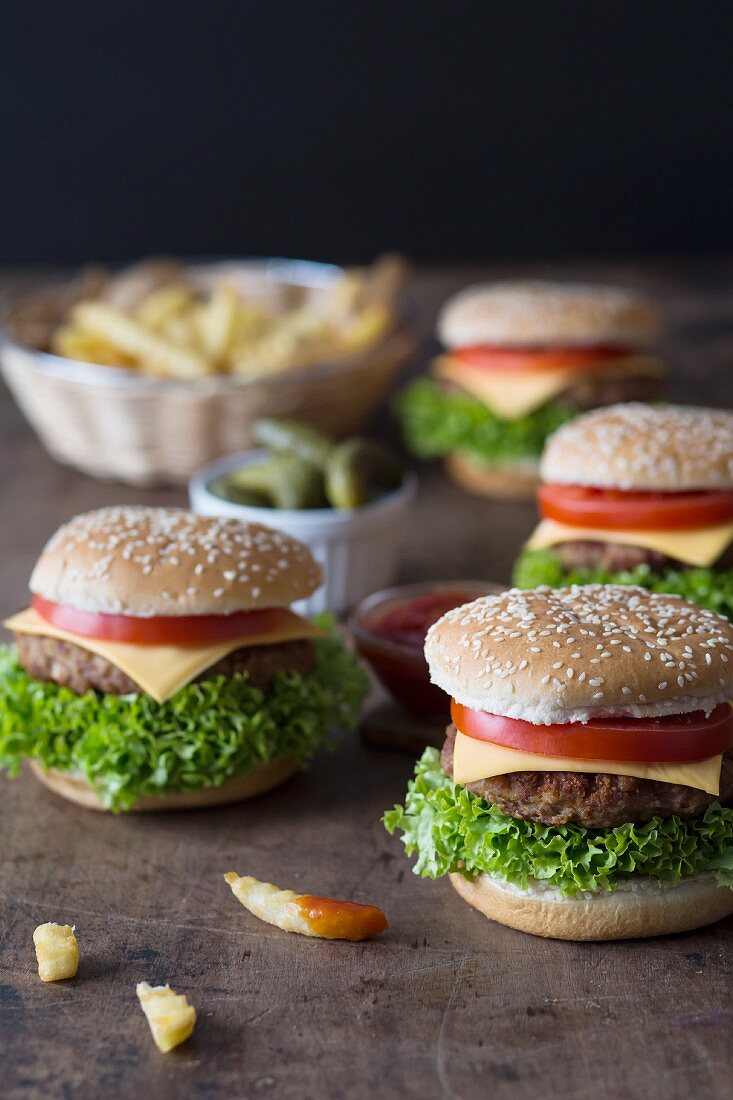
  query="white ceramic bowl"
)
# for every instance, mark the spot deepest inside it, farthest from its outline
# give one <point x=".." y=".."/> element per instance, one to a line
<point x="358" y="550"/>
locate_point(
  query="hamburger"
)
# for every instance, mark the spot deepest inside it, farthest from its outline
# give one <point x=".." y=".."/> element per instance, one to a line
<point x="634" y="494"/>
<point x="585" y="787"/>
<point x="159" y="665"/>
<point x="520" y="359"/>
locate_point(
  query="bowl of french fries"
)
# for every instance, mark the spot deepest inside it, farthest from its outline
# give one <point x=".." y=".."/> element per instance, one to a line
<point x="145" y="375"/>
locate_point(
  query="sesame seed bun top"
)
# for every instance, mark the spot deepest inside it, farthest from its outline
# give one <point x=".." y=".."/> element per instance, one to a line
<point x="167" y="561"/>
<point x="569" y="654"/>
<point x="635" y="446"/>
<point x="516" y="314"/>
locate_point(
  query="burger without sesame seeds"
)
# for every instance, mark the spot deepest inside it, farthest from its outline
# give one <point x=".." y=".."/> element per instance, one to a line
<point x="520" y="359"/>
<point x="160" y="666"/>
<point x="585" y="787"/>
<point x="635" y="494"/>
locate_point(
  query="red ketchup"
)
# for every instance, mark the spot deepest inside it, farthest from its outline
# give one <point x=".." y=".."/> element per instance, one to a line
<point x="391" y="637"/>
<point x="408" y="623"/>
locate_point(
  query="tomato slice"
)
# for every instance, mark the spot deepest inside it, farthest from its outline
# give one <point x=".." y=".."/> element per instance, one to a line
<point x="178" y="630"/>
<point x="617" y="510"/>
<point x="484" y="357"/>
<point x="672" y="738"/>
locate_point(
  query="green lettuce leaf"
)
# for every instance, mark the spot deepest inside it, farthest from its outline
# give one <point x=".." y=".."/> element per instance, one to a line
<point x="437" y="420"/>
<point x="451" y="829"/>
<point x="710" y="588"/>
<point x="128" y="746"/>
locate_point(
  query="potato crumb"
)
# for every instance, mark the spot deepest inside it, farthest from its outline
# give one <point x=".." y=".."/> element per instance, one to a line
<point x="57" y="952"/>
<point x="171" y="1018"/>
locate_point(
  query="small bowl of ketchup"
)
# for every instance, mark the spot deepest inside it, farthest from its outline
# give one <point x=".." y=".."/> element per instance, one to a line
<point x="389" y="629"/>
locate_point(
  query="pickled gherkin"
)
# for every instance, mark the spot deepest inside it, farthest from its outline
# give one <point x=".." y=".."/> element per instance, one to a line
<point x="288" y="437"/>
<point x="285" y="481"/>
<point x="305" y="470"/>
<point x="360" y="470"/>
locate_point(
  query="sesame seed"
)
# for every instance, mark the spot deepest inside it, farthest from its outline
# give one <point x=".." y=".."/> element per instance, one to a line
<point x="147" y="539"/>
<point x="623" y="446"/>
<point x="653" y="631"/>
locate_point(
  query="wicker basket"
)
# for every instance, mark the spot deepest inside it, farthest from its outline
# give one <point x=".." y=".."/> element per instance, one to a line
<point x="112" y="423"/>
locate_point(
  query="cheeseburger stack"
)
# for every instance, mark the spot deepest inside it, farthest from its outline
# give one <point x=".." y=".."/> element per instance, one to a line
<point x="584" y="788"/>
<point x="635" y="494"/>
<point x="159" y="665"/>
<point x="521" y="358"/>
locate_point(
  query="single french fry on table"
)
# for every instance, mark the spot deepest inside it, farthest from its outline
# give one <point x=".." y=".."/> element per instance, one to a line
<point x="324" y="918"/>
<point x="171" y="1018"/>
<point x="57" y="952"/>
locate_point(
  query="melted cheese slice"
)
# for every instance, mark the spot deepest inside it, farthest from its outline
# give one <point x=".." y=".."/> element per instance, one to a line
<point x="511" y="394"/>
<point x="700" y="547"/>
<point x="161" y="670"/>
<point x="474" y="760"/>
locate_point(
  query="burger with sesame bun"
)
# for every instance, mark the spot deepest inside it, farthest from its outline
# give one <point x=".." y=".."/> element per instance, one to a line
<point x="637" y="494"/>
<point x="159" y="665"/>
<point x="520" y="359"/>
<point x="585" y="787"/>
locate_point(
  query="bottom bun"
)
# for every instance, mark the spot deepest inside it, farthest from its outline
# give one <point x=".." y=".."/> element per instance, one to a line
<point x="261" y="778"/>
<point x="647" y="910"/>
<point x="510" y="481"/>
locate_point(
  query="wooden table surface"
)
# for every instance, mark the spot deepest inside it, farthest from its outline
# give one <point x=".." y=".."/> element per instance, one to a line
<point x="445" y="1004"/>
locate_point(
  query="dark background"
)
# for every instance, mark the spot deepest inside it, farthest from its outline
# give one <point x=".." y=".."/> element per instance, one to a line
<point x="336" y="130"/>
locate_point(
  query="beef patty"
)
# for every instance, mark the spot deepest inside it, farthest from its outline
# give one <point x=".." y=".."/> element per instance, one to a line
<point x="614" y="557"/>
<point x="594" y="800"/>
<point x="78" y="669"/>
<point x="592" y="389"/>
<point x="610" y="557"/>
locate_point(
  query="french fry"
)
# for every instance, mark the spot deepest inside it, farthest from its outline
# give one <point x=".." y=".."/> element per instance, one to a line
<point x="384" y="280"/>
<point x="294" y="340"/>
<point x="130" y="287"/>
<point x="215" y="322"/>
<point x="306" y="914"/>
<point x="57" y="952"/>
<point x="74" y="343"/>
<point x="148" y="317"/>
<point x="181" y="330"/>
<point x="156" y="354"/>
<point x="343" y="296"/>
<point x="364" y="328"/>
<point x="251" y="322"/>
<point x="162" y="305"/>
<point x="171" y="1018"/>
